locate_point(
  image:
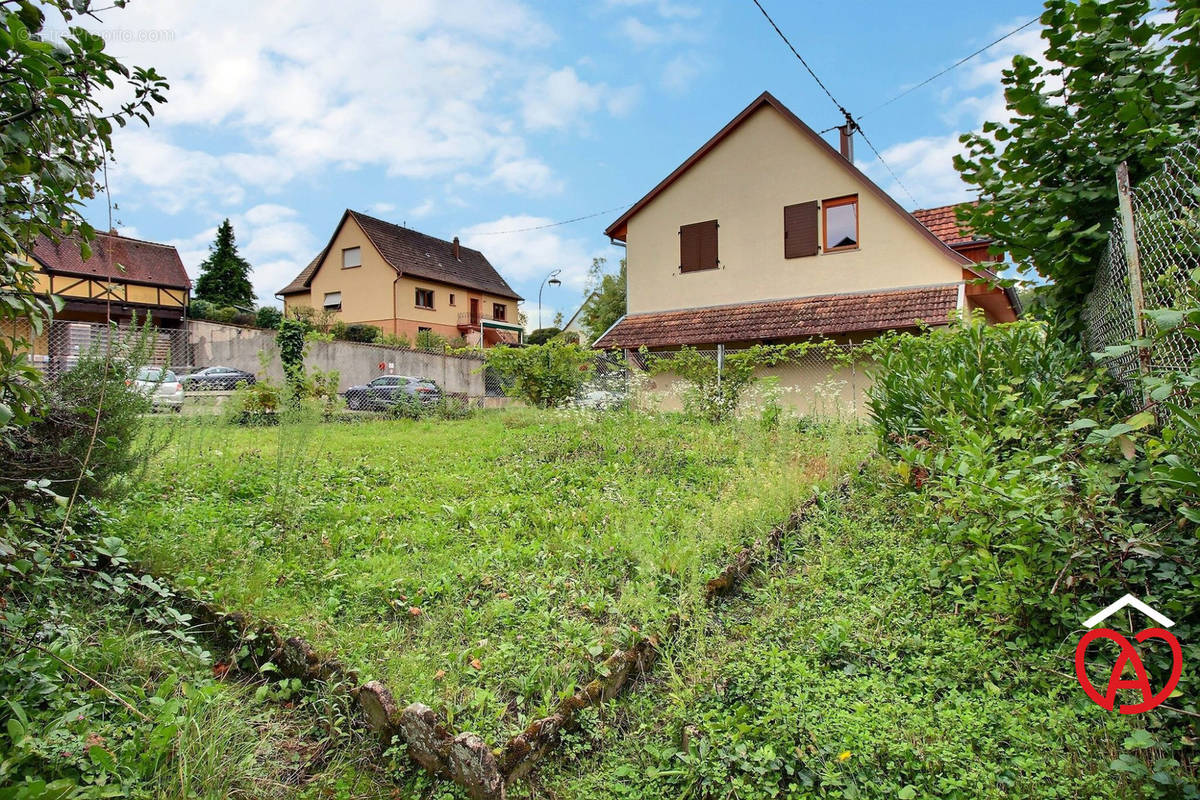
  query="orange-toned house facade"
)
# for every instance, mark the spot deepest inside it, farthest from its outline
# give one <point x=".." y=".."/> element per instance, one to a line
<point x="403" y="282"/>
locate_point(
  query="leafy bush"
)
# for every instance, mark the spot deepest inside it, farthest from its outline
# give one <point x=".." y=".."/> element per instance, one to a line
<point x="89" y="428"/>
<point x="290" y="341"/>
<point x="392" y="340"/>
<point x="248" y="318"/>
<point x="1035" y="477"/>
<point x="543" y="335"/>
<point x="358" y="332"/>
<point x="715" y="395"/>
<point x="545" y="375"/>
<point x="225" y="314"/>
<point x="428" y="340"/>
<point x="268" y="317"/>
<point x="201" y="309"/>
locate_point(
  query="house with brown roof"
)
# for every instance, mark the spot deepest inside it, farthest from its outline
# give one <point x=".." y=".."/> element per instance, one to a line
<point x="122" y="278"/>
<point x="769" y="234"/>
<point x="404" y="282"/>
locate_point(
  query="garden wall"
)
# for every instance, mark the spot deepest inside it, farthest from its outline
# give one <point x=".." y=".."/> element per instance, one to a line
<point x="214" y="344"/>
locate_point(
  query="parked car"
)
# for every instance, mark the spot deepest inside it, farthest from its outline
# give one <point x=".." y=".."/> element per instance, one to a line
<point x="216" y="379"/>
<point x="161" y="386"/>
<point x="386" y="390"/>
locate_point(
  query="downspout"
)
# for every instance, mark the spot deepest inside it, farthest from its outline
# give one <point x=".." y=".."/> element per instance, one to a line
<point x="395" y="308"/>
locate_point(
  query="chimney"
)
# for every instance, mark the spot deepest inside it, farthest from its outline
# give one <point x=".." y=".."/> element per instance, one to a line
<point x="846" y="141"/>
<point x="456" y="258"/>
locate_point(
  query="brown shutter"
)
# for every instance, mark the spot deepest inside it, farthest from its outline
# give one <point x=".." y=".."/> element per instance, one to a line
<point x="698" y="246"/>
<point x="800" y="230"/>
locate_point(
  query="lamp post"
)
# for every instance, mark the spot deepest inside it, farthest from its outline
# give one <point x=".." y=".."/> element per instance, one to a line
<point x="553" y="281"/>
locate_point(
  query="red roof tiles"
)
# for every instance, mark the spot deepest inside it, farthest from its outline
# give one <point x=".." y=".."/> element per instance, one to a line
<point x="826" y="315"/>
<point x="116" y="258"/>
<point x="943" y="223"/>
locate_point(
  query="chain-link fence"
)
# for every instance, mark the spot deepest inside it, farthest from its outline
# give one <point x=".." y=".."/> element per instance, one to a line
<point x="821" y="381"/>
<point x="1153" y="249"/>
<point x="63" y="342"/>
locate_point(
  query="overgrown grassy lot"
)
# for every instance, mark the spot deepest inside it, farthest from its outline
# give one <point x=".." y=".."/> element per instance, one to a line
<point x="480" y="566"/>
<point x="844" y="672"/>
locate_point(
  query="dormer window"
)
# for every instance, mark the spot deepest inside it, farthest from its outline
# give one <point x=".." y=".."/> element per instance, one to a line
<point x="351" y="257"/>
<point x="840" y="223"/>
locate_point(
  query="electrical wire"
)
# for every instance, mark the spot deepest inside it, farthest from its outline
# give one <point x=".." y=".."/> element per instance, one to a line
<point x="953" y="66"/>
<point x="850" y="120"/>
<point x="553" y="224"/>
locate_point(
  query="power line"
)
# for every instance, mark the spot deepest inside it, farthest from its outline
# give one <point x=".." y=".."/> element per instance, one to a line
<point x="796" y="53"/>
<point x="850" y="121"/>
<point x="953" y="66"/>
<point x="553" y="224"/>
<point x="891" y="172"/>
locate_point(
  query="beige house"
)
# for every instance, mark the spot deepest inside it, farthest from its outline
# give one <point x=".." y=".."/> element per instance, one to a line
<point x="769" y="234"/>
<point x="404" y="282"/>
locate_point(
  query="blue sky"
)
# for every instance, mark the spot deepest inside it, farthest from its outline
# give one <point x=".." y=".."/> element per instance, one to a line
<point x="482" y="116"/>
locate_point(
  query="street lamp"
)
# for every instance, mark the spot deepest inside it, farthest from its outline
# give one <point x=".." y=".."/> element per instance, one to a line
<point x="553" y="281"/>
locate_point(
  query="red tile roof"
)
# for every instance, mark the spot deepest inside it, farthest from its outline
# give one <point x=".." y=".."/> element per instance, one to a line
<point x="115" y="258"/>
<point x="826" y="315"/>
<point x="943" y="223"/>
<point x="414" y="253"/>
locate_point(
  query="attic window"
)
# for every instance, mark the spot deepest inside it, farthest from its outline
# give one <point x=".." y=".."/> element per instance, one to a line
<point x="333" y="301"/>
<point x="840" y="223"/>
<point x="351" y="257"/>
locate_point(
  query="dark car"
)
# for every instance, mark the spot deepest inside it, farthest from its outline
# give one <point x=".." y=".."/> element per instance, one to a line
<point x="387" y="390"/>
<point x="213" y="379"/>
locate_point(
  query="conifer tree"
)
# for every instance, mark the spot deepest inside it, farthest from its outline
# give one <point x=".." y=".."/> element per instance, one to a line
<point x="225" y="275"/>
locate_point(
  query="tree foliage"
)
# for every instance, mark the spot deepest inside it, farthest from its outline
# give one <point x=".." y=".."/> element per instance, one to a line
<point x="547" y="375"/>
<point x="225" y="276"/>
<point x="1117" y="85"/>
<point x="608" y="304"/>
<point x="56" y="137"/>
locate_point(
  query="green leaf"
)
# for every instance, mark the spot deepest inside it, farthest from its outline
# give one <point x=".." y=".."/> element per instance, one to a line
<point x="1139" y="740"/>
<point x="102" y="758"/>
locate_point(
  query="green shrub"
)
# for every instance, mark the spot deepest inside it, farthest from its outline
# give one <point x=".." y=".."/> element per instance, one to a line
<point x="290" y="341"/>
<point x="428" y="340"/>
<point x="225" y="314"/>
<point x="543" y="335"/>
<point x="1034" y="471"/>
<point x="89" y="430"/>
<point x="358" y="332"/>
<point x="268" y="317"/>
<point x="547" y="375"/>
<point x="401" y="342"/>
<point x="247" y="318"/>
<point x="201" y="309"/>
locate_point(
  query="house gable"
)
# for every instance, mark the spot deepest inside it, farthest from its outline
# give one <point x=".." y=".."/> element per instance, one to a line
<point x="764" y="161"/>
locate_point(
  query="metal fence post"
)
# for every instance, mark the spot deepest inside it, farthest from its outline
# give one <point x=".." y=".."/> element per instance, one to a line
<point x="720" y="364"/>
<point x="1136" y="297"/>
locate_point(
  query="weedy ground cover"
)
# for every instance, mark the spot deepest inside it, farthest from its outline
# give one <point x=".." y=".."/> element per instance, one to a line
<point x="842" y="672"/>
<point x="481" y="566"/>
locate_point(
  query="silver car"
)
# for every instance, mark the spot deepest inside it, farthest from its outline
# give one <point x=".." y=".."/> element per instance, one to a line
<point x="161" y="386"/>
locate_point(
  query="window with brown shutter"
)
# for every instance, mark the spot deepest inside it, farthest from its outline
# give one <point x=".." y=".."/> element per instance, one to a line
<point x="698" y="246"/>
<point x="800" y="230"/>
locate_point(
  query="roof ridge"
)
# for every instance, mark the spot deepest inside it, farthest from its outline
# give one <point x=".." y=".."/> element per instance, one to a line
<point x="112" y="235"/>
<point x="413" y="230"/>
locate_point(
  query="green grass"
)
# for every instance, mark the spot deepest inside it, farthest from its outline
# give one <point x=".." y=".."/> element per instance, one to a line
<point x="844" y="672"/>
<point x="481" y="566"/>
<point x="189" y="734"/>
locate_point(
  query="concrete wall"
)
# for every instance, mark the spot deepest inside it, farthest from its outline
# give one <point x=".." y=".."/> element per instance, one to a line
<point x="215" y="344"/>
<point x="744" y="183"/>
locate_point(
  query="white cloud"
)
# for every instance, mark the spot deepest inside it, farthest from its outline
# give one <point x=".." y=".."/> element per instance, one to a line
<point x="417" y="89"/>
<point x="526" y="176"/>
<point x="531" y="255"/>
<point x="423" y="210"/>
<point x="973" y="95"/>
<point x="681" y="72"/>
<point x="561" y="99"/>
<point x="664" y="8"/>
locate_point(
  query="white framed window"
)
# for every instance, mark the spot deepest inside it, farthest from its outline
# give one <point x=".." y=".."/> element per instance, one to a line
<point x="333" y="301"/>
<point x="351" y="257"/>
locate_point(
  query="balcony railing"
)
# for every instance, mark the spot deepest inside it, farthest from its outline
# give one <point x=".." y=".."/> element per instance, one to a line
<point x="473" y="321"/>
